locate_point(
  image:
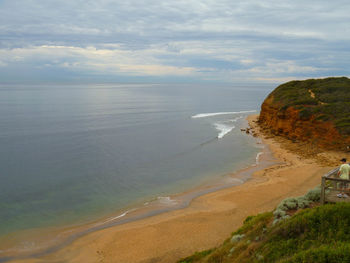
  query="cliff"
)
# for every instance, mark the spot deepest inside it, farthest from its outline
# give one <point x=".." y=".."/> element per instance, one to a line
<point x="314" y="110"/>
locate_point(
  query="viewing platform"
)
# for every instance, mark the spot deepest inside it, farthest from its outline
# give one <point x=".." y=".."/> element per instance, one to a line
<point x="332" y="185"/>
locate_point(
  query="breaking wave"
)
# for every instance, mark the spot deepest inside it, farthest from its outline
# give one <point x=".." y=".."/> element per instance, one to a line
<point x="225" y="127"/>
<point x="119" y="216"/>
<point x="204" y="115"/>
<point x="257" y="158"/>
<point x="166" y="200"/>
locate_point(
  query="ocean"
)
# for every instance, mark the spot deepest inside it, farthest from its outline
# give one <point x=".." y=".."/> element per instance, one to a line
<point x="71" y="154"/>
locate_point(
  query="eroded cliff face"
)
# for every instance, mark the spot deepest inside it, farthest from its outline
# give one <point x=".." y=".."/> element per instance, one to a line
<point x="289" y="123"/>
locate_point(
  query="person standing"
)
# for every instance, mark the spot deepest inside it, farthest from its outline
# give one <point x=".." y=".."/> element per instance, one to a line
<point x="343" y="173"/>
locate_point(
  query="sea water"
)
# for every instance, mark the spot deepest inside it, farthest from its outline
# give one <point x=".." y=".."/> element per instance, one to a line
<point x="74" y="153"/>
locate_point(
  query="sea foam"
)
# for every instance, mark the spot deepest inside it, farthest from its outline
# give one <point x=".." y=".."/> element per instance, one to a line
<point x="204" y="115"/>
<point x="166" y="200"/>
<point x="223" y="129"/>
<point x="119" y="216"/>
<point x="257" y="158"/>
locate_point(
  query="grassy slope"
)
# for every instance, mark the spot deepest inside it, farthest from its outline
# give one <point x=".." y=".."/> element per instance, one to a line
<point x="331" y="100"/>
<point x="320" y="234"/>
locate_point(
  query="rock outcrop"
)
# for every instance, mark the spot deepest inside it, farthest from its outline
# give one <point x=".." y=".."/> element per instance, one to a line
<point x="306" y="117"/>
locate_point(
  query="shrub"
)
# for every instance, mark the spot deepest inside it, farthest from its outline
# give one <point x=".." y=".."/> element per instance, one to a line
<point x="305" y="114"/>
<point x="237" y="238"/>
<point x="279" y="213"/>
<point x="288" y="204"/>
<point x="314" y="195"/>
<point x="302" y="202"/>
<point x="292" y="203"/>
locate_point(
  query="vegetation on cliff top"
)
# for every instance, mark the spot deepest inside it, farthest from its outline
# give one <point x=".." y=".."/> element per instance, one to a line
<point x="320" y="234"/>
<point x="323" y="99"/>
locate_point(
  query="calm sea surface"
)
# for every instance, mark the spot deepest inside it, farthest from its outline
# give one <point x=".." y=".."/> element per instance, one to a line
<point x="71" y="154"/>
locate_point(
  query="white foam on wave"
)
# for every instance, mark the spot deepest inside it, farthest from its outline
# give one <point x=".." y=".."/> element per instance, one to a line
<point x="257" y="158"/>
<point x="204" y="115"/>
<point x="119" y="216"/>
<point x="235" y="119"/>
<point x="226" y="126"/>
<point x="166" y="200"/>
<point x="223" y="129"/>
<point x="234" y="180"/>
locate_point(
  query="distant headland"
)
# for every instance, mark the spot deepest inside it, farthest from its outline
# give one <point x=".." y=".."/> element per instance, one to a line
<point x="313" y="110"/>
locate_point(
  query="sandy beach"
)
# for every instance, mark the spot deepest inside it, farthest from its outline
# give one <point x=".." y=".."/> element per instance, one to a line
<point x="209" y="219"/>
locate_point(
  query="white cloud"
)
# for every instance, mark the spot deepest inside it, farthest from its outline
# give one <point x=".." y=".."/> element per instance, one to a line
<point x="98" y="60"/>
<point x="289" y="67"/>
<point x="247" y="61"/>
<point x="205" y="39"/>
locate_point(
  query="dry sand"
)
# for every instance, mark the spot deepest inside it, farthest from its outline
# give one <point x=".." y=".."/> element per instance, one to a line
<point x="209" y="220"/>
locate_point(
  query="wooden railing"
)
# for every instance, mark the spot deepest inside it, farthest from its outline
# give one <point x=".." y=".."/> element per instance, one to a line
<point x="331" y="186"/>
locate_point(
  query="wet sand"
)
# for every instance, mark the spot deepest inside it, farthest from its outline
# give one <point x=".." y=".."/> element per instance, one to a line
<point x="205" y="223"/>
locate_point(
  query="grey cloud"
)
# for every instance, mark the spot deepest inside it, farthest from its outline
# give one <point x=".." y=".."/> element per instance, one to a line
<point x="200" y="34"/>
<point x="120" y="21"/>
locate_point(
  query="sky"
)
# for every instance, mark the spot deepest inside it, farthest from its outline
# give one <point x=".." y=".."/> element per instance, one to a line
<point x="229" y="41"/>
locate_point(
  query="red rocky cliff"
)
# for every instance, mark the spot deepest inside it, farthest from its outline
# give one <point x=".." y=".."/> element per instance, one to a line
<point x="290" y="124"/>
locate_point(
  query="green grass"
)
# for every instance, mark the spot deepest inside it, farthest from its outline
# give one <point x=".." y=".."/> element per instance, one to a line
<point x="339" y="253"/>
<point x="320" y="234"/>
<point x="196" y="256"/>
<point x="308" y="230"/>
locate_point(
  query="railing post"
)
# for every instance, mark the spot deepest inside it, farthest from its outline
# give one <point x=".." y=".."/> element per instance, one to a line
<point x="323" y="190"/>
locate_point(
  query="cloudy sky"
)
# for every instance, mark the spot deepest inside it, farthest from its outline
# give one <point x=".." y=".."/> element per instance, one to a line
<point x="237" y="41"/>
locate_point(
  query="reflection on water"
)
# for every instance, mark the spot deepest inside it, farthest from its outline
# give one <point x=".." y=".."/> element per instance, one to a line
<point x="72" y="154"/>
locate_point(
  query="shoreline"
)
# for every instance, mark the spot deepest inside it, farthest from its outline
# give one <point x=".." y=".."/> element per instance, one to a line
<point x="59" y="237"/>
<point x="205" y="222"/>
